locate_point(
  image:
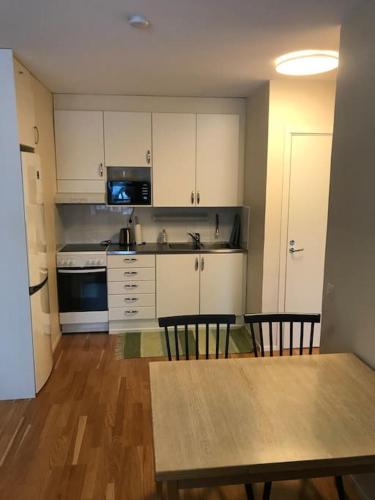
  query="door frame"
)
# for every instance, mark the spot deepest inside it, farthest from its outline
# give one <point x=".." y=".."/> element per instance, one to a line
<point x="290" y="133"/>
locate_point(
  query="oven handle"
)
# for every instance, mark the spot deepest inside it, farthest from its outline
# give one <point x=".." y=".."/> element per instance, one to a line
<point x="81" y="271"/>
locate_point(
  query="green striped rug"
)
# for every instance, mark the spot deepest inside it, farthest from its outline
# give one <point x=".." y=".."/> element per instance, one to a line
<point x="151" y="343"/>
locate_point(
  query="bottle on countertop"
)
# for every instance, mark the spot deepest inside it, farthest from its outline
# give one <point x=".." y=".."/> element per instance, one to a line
<point x="138" y="232"/>
<point x="163" y="237"/>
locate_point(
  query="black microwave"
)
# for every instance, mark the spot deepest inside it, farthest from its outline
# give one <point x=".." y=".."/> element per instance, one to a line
<point x="129" y="186"/>
<point x="127" y="192"/>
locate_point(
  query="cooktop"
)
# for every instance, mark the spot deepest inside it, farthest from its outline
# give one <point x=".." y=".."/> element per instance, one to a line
<point x="84" y="247"/>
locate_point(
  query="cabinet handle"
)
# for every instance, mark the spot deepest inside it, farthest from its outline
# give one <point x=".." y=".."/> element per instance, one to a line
<point x="131" y="311"/>
<point x="202" y="263"/>
<point x="130" y="299"/>
<point x="130" y="260"/>
<point x="192" y="197"/>
<point x="198" y="198"/>
<point x="130" y="273"/>
<point x="101" y="170"/>
<point x="130" y="286"/>
<point x="36" y="134"/>
<point x="196" y="263"/>
<point x="148" y="157"/>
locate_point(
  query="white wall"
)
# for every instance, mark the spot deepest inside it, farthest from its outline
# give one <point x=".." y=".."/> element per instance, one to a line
<point x="295" y="106"/>
<point x="16" y="350"/>
<point x="256" y="153"/>
<point x="90" y="223"/>
<point x="349" y="310"/>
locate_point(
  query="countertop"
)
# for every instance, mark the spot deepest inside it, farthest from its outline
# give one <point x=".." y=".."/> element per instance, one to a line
<point x="158" y="248"/>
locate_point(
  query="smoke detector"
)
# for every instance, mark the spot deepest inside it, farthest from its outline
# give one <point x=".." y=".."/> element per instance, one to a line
<point x="138" y="21"/>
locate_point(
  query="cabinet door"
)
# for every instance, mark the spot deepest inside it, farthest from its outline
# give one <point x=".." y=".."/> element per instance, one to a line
<point x="174" y="149"/>
<point x="218" y="160"/>
<point x="79" y="145"/>
<point x="177" y="284"/>
<point x="25" y="105"/>
<point x="222" y="283"/>
<point x="127" y="139"/>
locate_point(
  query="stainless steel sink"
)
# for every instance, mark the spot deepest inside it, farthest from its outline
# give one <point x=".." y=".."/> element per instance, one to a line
<point x="218" y="245"/>
<point x="183" y="246"/>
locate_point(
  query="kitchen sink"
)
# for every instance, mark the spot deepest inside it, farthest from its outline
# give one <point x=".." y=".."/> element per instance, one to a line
<point x="183" y="246"/>
<point x="218" y="245"/>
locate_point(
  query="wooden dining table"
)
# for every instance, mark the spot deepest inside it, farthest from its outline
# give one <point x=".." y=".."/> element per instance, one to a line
<point x="244" y="420"/>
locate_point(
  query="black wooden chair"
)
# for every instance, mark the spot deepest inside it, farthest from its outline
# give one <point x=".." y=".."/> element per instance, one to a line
<point x="196" y="321"/>
<point x="296" y="323"/>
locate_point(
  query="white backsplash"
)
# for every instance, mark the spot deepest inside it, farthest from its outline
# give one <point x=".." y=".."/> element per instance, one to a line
<point x="90" y="223"/>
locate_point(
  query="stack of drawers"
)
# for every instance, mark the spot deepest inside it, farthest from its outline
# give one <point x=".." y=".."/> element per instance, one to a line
<point x="131" y="287"/>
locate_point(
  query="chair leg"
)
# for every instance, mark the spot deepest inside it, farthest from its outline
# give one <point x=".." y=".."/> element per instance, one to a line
<point x="267" y="490"/>
<point x="249" y="491"/>
<point x="340" y="487"/>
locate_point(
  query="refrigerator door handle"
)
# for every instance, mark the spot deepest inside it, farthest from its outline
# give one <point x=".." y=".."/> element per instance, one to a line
<point x="36" y="288"/>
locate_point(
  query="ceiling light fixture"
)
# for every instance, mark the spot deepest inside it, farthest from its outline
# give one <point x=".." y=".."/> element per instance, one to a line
<point x="139" y="21"/>
<point x="307" y="62"/>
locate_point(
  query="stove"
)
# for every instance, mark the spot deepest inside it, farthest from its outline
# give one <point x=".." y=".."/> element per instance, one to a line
<point x="82" y="287"/>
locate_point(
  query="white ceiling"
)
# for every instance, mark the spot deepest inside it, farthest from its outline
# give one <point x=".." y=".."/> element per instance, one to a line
<point x="193" y="48"/>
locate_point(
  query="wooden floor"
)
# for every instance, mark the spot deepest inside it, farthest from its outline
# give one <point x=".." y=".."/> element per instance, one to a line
<point x="88" y="435"/>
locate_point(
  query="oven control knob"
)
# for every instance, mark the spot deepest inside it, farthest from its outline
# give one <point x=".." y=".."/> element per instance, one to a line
<point x="70" y="263"/>
<point x="99" y="262"/>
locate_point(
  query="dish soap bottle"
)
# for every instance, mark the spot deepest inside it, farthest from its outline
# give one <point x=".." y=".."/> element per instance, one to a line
<point x="163" y="237"/>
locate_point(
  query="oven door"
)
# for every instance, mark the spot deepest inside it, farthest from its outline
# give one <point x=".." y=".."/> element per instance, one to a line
<point x="81" y="290"/>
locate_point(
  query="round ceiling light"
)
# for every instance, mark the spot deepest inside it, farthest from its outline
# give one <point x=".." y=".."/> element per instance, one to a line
<point x="307" y="62"/>
<point x="139" y="21"/>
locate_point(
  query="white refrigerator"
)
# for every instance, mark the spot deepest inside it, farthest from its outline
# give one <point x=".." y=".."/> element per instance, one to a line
<point x="38" y="270"/>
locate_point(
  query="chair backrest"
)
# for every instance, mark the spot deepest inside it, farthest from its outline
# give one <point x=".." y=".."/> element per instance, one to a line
<point x="196" y="321"/>
<point x="282" y="319"/>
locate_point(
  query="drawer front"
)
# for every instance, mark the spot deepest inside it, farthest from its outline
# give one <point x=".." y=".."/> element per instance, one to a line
<point x="131" y="312"/>
<point x="119" y="261"/>
<point x="137" y="300"/>
<point x="135" y="274"/>
<point x="131" y="287"/>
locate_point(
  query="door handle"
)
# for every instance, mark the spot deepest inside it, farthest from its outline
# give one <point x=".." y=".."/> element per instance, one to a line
<point x="148" y="157"/>
<point x="192" y="197"/>
<point x="196" y="263"/>
<point x="101" y="171"/>
<point x="198" y="198"/>
<point x="295" y="250"/>
<point x="202" y="263"/>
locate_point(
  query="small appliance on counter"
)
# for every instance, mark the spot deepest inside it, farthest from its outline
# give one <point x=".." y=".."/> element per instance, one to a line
<point x="125" y="237"/>
<point x="82" y="288"/>
<point x="129" y="186"/>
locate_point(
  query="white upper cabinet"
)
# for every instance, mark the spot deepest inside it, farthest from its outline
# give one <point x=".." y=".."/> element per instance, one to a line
<point x="222" y="283"/>
<point x="174" y="151"/>
<point x="127" y="139"/>
<point x="80" y="150"/>
<point x="27" y="131"/>
<point x="218" y="163"/>
<point x="177" y="284"/>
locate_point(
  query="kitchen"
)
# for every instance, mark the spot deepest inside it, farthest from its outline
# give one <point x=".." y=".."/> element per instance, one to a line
<point x="128" y="206"/>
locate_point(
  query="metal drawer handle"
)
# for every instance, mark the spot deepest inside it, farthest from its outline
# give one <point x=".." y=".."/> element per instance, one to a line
<point x="131" y="311"/>
<point x="130" y="260"/>
<point x="130" y="286"/>
<point x="198" y="198"/>
<point x="130" y="273"/>
<point x="131" y="299"/>
<point x="148" y="156"/>
<point x="192" y="197"/>
<point x="101" y="171"/>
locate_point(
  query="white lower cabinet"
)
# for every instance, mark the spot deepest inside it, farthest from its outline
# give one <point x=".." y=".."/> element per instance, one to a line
<point x="221" y="283"/>
<point x="200" y="284"/>
<point x="177" y="284"/>
<point x="131" y="289"/>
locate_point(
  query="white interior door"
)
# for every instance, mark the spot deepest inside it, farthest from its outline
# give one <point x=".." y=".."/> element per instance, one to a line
<point x="310" y="161"/>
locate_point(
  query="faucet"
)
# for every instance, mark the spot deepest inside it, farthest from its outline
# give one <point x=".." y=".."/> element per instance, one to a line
<point x="196" y="239"/>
